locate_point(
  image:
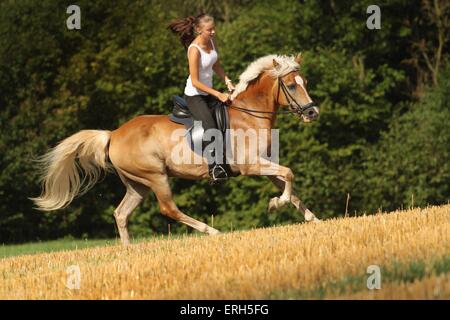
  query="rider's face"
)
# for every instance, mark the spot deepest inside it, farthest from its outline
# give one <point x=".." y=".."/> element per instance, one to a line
<point x="208" y="29"/>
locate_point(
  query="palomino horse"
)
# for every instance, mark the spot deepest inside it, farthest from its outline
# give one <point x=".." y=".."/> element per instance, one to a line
<point x="141" y="149"/>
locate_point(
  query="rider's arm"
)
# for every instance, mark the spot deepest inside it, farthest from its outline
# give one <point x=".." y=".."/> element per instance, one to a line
<point x="217" y="67"/>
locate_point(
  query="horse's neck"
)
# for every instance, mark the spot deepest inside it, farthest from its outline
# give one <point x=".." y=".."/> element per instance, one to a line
<point x="258" y="98"/>
<point x="241" y="119"/>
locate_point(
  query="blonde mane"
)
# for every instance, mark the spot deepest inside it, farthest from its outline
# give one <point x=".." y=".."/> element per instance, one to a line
<point x="287" y="64"/>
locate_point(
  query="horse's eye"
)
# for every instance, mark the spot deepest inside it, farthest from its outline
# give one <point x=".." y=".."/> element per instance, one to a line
<point x="292" y="87"/>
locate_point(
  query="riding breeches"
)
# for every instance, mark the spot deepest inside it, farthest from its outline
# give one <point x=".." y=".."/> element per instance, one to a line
<point x="201" y="109"/>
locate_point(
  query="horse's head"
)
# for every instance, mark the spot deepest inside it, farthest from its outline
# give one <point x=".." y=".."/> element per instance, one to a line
<point x="290" y="91"/>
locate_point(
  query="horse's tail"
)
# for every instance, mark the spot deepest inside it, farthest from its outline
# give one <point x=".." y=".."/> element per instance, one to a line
<point x="61" y="182"/>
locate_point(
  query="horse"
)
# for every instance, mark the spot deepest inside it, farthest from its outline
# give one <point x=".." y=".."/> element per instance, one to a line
<point x="141" y="150"/>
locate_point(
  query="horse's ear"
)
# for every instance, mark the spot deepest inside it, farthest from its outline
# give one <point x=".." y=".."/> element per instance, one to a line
<point x="298" y="58"/>
<point x="276" y="64"/>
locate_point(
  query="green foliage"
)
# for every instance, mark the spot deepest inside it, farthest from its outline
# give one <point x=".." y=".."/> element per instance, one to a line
<point x="373" y="140"/>
<point x="411" y="163"/>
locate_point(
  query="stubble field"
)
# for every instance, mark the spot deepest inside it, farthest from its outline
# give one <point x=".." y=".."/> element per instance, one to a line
<point x="326" y="260"/>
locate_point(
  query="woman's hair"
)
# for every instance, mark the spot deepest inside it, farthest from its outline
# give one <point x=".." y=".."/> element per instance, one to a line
<point x="185" y="28"/>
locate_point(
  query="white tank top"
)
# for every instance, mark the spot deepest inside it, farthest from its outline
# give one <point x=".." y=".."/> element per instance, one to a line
<point x="205" y="71"/>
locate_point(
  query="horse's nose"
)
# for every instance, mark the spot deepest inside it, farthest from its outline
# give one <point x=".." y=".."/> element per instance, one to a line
<point x="313" y="113"/>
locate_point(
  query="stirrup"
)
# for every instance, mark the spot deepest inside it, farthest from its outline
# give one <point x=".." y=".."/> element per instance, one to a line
<point x="218" y="173"/>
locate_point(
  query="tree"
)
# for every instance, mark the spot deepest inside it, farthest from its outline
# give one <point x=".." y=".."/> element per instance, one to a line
<point x="411" y="163"/>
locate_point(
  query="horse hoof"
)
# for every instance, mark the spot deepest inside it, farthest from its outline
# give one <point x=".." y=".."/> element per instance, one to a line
<point x="310" y="217"/>
<point x="273" y="204"/>
<point x="213" y="232"/>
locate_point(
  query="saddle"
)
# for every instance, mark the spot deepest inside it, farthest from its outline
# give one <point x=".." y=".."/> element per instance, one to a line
<point x="194" y="134"/>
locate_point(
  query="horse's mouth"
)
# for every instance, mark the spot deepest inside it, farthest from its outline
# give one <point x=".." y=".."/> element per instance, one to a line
<point x="311" y="116"/>
<point x="307" y="119"/>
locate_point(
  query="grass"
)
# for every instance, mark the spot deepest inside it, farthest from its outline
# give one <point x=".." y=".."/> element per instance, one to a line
<point x="326" y="260"/>
<point x="430" y="287"/>
<point x="51" y="246"/>
<point x="396" y="273"/>
<point x="64" y="244"/>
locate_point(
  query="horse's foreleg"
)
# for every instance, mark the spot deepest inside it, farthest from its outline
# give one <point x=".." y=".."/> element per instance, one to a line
<point x="309" y="216"/>
<point x="283" y="173"/>
<point x="161" y="188"/>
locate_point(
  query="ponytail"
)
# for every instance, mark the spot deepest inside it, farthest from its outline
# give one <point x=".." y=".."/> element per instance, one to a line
<point x="185" y="28"/>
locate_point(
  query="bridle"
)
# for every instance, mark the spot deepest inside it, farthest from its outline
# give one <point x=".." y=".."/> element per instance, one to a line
<point x="294" y="106"/>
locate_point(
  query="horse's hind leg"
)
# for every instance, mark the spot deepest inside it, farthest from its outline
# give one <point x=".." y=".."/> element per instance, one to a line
<point x="134" y="196"/>
<point x="161" y="188"/>
<point x="309" y="216"/>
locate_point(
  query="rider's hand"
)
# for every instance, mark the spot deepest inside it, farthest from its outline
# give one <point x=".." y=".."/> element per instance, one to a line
<point x="224" y="97"/>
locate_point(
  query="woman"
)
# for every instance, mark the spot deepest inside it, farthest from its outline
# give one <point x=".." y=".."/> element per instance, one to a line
<point x="197" y="36"/>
